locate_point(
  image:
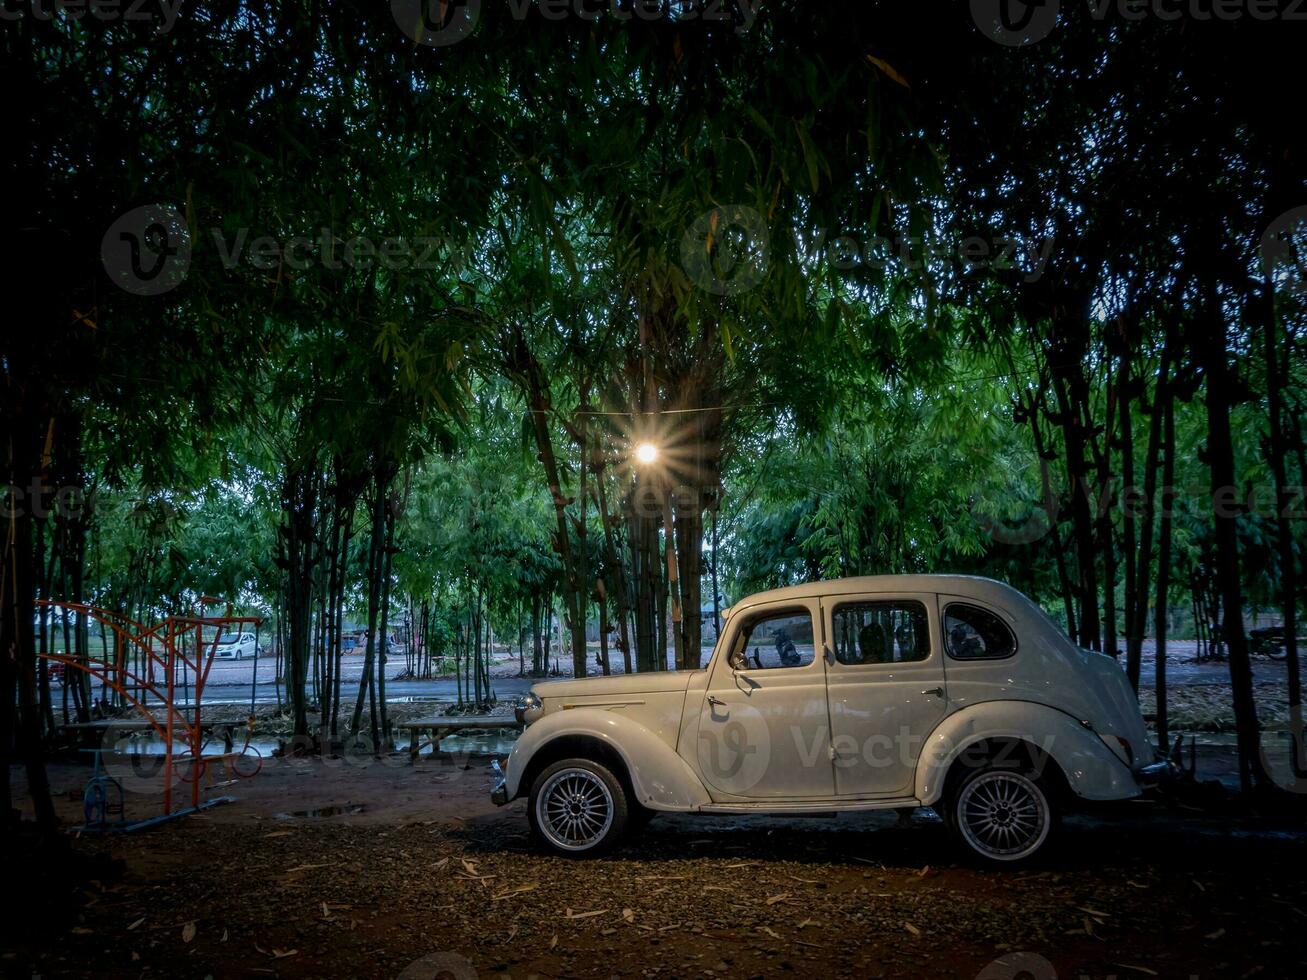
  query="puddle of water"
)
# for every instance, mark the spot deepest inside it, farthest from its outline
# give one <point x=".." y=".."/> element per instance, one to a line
<point x="154" y="746"/>
<point x="322" y="812"/>
<point x="493" y="742"/>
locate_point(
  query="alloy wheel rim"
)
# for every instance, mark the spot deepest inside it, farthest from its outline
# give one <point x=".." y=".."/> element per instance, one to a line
<point x="575" y="809"/>
<point x="1003" y="815"/>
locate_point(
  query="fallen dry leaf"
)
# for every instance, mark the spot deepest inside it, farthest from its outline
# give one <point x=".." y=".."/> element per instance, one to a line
<point x="188" y="931"/>
<point x="569" y="914"/>
<point x="136" y="924"/>
<point x="911" y="928"/>
<point x="520" y="889"/>
<point x="628" y="915"/>
<point x="773" y="899"/>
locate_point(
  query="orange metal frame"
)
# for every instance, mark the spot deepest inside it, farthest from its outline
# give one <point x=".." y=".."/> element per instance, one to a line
<point x="169" y="634"/>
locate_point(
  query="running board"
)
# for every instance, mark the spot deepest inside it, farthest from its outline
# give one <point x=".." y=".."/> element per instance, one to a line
<point x="808" y="809"/>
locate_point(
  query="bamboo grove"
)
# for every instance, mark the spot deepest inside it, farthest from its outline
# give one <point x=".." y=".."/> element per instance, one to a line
<point x="890" y="297"/>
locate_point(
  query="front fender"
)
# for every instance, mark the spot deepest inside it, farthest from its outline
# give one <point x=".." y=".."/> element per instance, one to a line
<point x="1092" y="770"/>
<point x="661" y="779"/>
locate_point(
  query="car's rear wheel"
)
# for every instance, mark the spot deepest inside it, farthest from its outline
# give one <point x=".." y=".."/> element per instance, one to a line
<point x="1002" y="815"/>
<point x="577" y="807"/>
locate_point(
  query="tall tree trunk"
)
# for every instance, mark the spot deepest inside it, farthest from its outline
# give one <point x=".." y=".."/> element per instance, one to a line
<point x="376" y="508"/>
<point x="672" y="593"/>
<point x="689" y="554"/>
<point x="388" y="552"/>
<point x="299" y="506"/>
<point x="1213" y="355"/>
<point x="620" y="592"/>
<point x="1164" y="575"/>
<point x="28" y="464"/>
<point x="1162" y="404"/>
<point x="1129" y="541"/>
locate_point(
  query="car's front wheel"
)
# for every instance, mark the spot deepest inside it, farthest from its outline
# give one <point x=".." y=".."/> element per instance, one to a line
<point x="1002" y="815"/>
<point x="577" y="807"/>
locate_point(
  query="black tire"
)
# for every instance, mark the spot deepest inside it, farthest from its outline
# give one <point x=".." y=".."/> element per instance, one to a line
<point x="578" y="808"/>
<point x="1002" y="815"/>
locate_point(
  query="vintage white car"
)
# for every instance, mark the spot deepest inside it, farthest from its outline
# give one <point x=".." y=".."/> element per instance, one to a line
<point x="949" y="692"/>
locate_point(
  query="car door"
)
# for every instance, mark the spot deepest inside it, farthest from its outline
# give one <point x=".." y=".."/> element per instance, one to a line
<point x="763" y="729"/>
<point x="885" y="679"/>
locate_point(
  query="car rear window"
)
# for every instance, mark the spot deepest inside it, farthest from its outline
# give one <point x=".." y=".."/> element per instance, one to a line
<point x="972" y="633"/>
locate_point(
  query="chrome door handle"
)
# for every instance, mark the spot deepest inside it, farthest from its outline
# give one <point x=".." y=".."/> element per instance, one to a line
<point x="937" y="691"/>
<point x="717" y="702"/>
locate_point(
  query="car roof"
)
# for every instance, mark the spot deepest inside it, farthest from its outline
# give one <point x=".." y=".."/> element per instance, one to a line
<point x="975" y="586"/>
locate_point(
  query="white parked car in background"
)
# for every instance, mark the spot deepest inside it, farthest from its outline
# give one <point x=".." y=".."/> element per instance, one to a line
<point x="236" y="646"/>
<point x="950" y="692"/>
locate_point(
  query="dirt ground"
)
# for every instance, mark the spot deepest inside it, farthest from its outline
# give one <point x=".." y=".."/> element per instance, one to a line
<point x="410" y="871"/>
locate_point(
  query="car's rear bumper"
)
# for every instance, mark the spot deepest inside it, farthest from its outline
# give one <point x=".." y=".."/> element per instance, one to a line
<point x="499" y="792"/>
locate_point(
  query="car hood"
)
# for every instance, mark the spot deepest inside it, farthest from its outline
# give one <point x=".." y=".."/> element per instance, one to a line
<point x="655" y="682"/>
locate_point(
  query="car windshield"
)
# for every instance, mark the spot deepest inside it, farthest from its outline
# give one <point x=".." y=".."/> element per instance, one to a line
<point x="230" y="638"/>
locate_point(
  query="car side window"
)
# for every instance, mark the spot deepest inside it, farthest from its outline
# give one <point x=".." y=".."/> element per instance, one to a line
<point x="779" y="640"/>
<point x="881" y="632"/>
<point x="972" y="633"/>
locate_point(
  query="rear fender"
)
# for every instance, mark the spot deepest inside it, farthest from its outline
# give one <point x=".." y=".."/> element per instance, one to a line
<point x="659" y="777"/>
<point x="1092" y="770"/>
